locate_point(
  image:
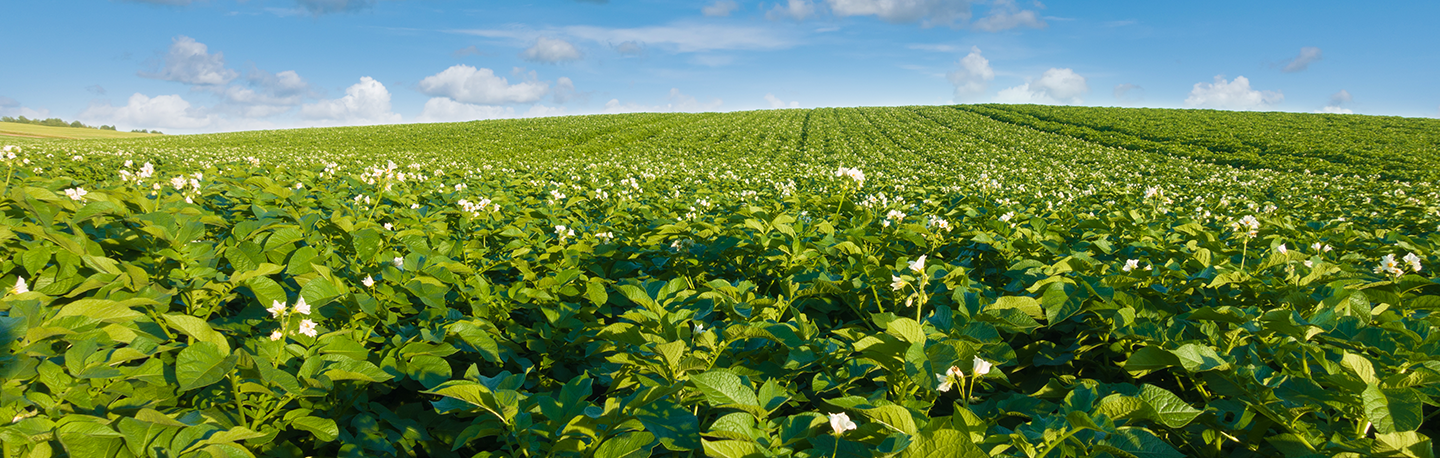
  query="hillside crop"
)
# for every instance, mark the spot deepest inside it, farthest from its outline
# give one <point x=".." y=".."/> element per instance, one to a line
<point x="909" y="281"/>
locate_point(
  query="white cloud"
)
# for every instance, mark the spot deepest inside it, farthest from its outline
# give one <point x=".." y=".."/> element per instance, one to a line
<point x="630" y="48"/>
<point x="1057" y="85"/>
<point x="565" y="91"/>
<point x="927" y="12"/>
<point x="471" y="50"/>
<point x="974" y="75"/>
<point x="142" y="112"/>
<point x="1337" y="100"/>
<point x="550" y="51"/>
<point x="1308" y="55"/>
<point x="688" y="37"/>
<point x="318" y="7"/>
<point x="481" y="86"/>
<point x="444" y="109"/>
<point x="6" y="102"/>
<point x="678" y="102"/>
<point x="1341" y="97"/>
<point x="720" y="8"/>
<point x="792" y="9"/>
<point x="190" y="62"/>
<point x="1004" y="15"/>
<point x="366" y="102"/>
<point x="1127" y="91"/>
<point x="1231" y="95"/>
<point x="932" y="47"/>
<point x="775" y="102"/>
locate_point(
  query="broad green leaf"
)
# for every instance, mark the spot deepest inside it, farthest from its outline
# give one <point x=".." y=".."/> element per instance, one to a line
<point x="101" y="309"/>
<point x="1150" y="359"/>
<point x="1140" y="443"/>
<point x="1167" y="408"/>
<point x="677" y="428"/>
<point x="893" y="417"/>
<point x="723" y="388"/>
<point x="324" y="429"/>
<point x="1199" y="358"/>
<point x="945" y="443"/>
<point x="200" y="365"/>
<point x="199" y="330"/>
<point x="906" y="329"/>
<point x="1392" y="411"/>
<point x="732" y="449"/>
<point x="628" y="445"/>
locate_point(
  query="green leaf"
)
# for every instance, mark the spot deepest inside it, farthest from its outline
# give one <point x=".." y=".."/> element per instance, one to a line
<point x="319" y="292"/>
<point x="88" y="439"/>
<point x="1361" y="367"/>
<point x="101" y="309"/>
<point x="1392" y="411"/>
<point x="733" y="449"/>
<point x="1149" y="359"/>
<point x="1408" y="443"/>
<point x="199" y="330"/>
<point x="346" y="368"/>
<point x="945" y="443"/>
<point x="906" y="329"/>
<point x="1140" y="443"/>
<point x="200" y="365"/>
<point x="635" y="444"/>
<point x="324" y="429"/>
<point x="428" y="370"/>
<point x="893" y="417"/>
<point x="266" y="291"/>
<point x="1199" y="358"/>
<point x="1025" y="304"/>
<point x="677" y="428"/>
<point x="723" y="388"/>
<point x="1167" y="408"/>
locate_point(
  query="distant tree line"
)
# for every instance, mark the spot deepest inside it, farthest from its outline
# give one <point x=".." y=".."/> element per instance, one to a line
<point x="57" y="122"/>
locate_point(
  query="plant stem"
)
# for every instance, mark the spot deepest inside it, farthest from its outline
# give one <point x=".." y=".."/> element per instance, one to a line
<point x="1051" y="447"/>
<point x="235" y="389"/>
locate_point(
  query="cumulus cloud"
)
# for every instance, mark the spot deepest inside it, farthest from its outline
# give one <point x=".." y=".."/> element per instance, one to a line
<point x="366" y="102"/>
<point x="1231" y="95"/>
<point x="444" y="109"/>
<point x="1005" y="15"/>
<point x="11" y="107"/>
<point x="1127" y="91"/>
<point x="1308" y="55"/>
<point x="190" y="62"/>
<point x="927" y="12"/>
<point x="551" y="51"/>
<point x="268" y="94"/>
<point x="318" y="7"/>
<point x="468" y="84"/>
<point x="564" y="91"/>
<point x="720" y="8"/>
<point x="630" y="48"/>
<point x="973" y="76"/>
<point x="1337" y="102"/>
<point x="159" y="112"/>
<point x="775" y="102"/>
<point x="1341" y="97"/>
<point x="792" y="9"/>
<point x="1057" y="85"/>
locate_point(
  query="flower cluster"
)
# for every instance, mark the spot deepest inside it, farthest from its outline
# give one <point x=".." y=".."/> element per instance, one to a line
<point x="278" y="311"/>
<point x="853" y="173"/>
<point x="474" y="208"/>
<point x="1249" y="225"/>
<point x="1389" y="266"/>
<point x="564" y="232"/>
<point x="954" y="376"/>
<point x="893" y="216"/>
<point x="605" y="237"/>
<point x="76" y="194"/>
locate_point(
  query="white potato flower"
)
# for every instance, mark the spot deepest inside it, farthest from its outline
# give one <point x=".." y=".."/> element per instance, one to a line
<point x="918" y="266"/>
<point x="1413" y="261"/>
<point x="840" y="422"/>
<point x="76" y="194"/>
<point x="302" y="307"/>
<point x="1130" y="265"/>
<point x="20" y="286"/>
<point x="981" y="367"/>
<point x="276" y="309"/>
<point x="307" y="327"/>
<point x="277" y="335"/>
<point x="368" y="281"/>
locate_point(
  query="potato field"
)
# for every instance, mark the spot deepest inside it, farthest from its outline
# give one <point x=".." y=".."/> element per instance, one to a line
<point x="928" y="281"/>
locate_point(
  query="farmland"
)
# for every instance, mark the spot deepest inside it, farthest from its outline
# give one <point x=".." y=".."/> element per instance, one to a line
<point x="970" y="280"/>
<point x="11" y="129"/>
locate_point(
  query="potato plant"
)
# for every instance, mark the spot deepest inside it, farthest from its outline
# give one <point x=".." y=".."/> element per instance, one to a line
<point x="907" y="281"/>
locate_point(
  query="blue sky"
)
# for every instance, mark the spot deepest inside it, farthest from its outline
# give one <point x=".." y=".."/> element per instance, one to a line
<point x="185" y="66"/>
